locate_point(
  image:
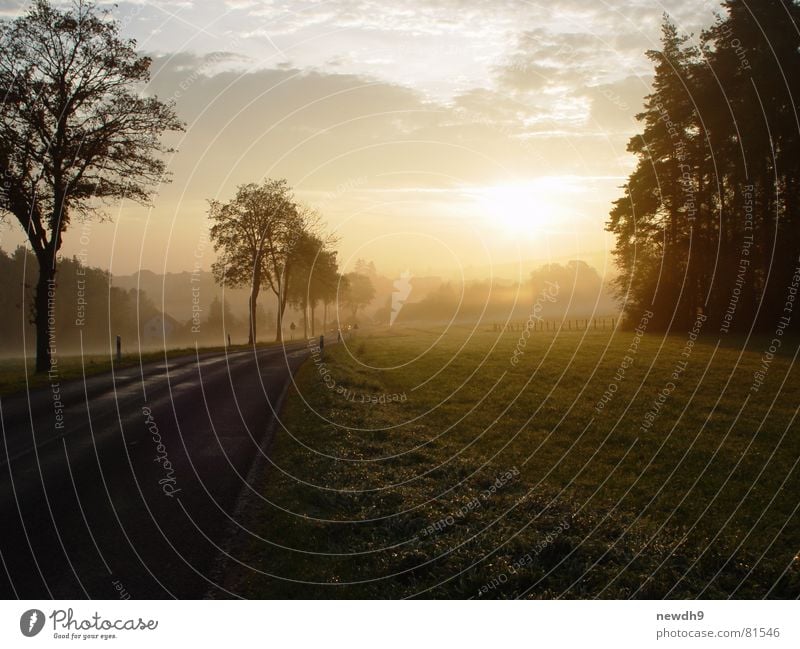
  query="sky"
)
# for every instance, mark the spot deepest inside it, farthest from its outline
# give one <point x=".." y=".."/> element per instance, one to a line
<point x="443" y="137"/>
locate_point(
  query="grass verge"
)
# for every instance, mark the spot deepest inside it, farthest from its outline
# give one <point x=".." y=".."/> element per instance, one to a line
<point x="18" y="374"/>
<point x="460" y="474"/>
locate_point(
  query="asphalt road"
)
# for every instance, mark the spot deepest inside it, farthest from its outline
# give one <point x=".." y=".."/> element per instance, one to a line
<point x="124" y="485"/>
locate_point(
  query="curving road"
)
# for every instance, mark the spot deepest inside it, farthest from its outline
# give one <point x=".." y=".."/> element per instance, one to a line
<point x="123" y="485"/>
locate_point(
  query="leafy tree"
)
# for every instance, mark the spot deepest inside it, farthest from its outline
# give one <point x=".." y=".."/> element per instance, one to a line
<point x="220" y="320"/>
<point x="74" y="130"/>
<point x="755" y="50"/>
<point x="325" y="284"/>
<point x="331" y="298"/>
<point x="314" y="279"/>
<point x="709" y="216"/>
<point x="364" y="267"/>
<point x="306" y="253"/>
<point x="654" y="220"/>
<point x="257" y="234"/>
<point x="358" y="292"/>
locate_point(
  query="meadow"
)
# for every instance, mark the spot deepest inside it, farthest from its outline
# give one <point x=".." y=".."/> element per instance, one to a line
<point x="483" y="464"/>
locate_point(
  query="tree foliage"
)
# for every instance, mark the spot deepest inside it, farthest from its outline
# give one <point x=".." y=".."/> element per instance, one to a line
<point x="708" y="219"/>
<point x="357" y="292"/>
<point x="315" y="277"/>
<point x="74" y="128"/>
<point x="258" y="234"/>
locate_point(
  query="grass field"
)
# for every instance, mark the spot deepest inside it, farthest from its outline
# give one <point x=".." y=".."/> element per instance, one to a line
<point x="459" y="474"/>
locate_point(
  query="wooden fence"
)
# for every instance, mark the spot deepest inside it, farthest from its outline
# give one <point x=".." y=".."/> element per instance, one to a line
<point x="565" y="324"/>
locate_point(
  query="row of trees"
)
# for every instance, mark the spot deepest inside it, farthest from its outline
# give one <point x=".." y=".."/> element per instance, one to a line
<point x="91" y="311"/>
<point x="264" y="238"/>
<point x="709" y="217"/>
<point x="75" y="131"/>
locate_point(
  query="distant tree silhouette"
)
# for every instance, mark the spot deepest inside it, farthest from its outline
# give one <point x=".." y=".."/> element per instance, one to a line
<point x="74" y="129"/>
<point x="364" y="267"/>
<point x="323" y="285"/>
<point x="358" y="292"/>
<point x="89" y="317"/>
<point x="257" y="234"/>
<point x="314" y="277"/>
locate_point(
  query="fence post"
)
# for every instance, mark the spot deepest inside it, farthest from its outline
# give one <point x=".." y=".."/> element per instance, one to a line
<point x="119" y="348"/>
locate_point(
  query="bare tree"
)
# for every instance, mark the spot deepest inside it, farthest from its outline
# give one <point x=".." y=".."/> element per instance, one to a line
<point x="74" y="128"/>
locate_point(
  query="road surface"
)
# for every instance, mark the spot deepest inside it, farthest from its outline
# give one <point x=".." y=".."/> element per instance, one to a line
<point x="123" y="485"/>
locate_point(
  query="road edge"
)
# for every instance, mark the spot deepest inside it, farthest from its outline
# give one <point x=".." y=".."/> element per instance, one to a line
<point x="258" y="464"/>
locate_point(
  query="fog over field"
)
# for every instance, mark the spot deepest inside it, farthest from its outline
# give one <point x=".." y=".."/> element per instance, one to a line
<point x="94" y="307"/>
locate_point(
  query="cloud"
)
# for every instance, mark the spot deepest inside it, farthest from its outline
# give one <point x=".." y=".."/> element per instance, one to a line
<point x="547" y="59"/>
<point x="383" y="110"/>
<point x="614" y="105"/>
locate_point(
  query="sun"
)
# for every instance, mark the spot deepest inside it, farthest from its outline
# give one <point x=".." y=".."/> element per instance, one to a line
<point x="525" y="209"/>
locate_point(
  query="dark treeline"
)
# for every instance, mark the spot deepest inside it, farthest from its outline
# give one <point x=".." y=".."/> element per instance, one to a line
<point x="709" y="220"/>
<point x="89" y="312"/>
<point x="84" y="305"/>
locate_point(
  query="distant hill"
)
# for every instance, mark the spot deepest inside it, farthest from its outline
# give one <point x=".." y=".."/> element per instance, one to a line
<point x="172" y="293"/>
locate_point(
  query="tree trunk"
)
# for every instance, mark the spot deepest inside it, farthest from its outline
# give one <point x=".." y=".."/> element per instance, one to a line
<point x="283" y="282"/>
<point x="324" y="317"/>
<point x="313" y="333"/>
<point x="305" y="319"/>
<point x="44" y="298"/>
<point x="251" y="338"/>
<point x="279" y="325"/>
